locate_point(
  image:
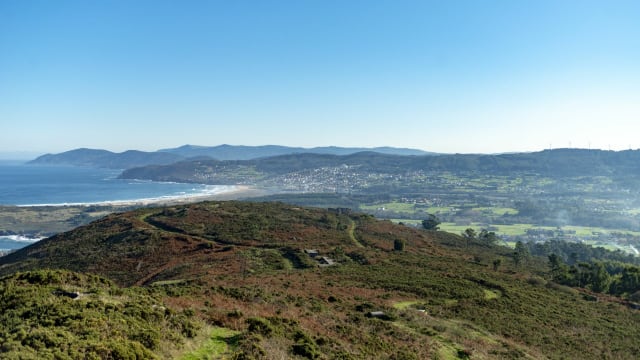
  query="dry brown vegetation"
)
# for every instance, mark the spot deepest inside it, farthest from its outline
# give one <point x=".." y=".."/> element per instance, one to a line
<point x="242" y="266"/>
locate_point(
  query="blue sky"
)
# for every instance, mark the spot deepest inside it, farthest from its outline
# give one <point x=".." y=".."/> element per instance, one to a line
<point x="445" y="76"/>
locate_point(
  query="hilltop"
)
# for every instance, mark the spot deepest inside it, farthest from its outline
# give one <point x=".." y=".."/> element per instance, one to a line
<point x="106" y="159"/>
<point x="249" y="273"/>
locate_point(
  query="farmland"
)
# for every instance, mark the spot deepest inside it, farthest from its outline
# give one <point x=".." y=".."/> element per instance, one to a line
<point x="524" y="207"/>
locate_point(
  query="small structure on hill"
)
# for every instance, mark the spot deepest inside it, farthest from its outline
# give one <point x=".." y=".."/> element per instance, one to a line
<point x="325" y="261"/>
<point x="322" y="261"/>
<point x="311" y="252"/>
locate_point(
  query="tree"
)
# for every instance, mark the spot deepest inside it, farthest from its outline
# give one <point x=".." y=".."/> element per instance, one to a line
<point x="521" y="253"/>
<point x="488" y="237"/>
<point x="469" y="234"/>
<point x="398" y="245"/>
<point x="629" y="281"/>
<point x="559" y="270"/>
<point x="431" y="222"/>
<point x="600" y="278"/>
<point x="496" y="264"/>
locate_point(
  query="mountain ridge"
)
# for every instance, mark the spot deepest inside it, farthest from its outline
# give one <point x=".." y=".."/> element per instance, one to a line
<point x="135" y="158"/>
<point x="244" y="152"/>
<point x="555" y="163"/>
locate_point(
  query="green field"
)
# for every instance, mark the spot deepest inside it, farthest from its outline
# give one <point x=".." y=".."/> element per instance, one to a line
<point x="498" y="210"/>
<point x="519" y="229"/>
<point x="390" y="206"/>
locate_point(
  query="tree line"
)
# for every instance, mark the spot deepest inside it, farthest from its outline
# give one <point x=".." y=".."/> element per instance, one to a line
<point x="594" y="268"/>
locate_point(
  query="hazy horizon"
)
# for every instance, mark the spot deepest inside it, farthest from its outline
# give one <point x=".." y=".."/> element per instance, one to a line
<point x="29" y="155"/>
<point x="448" y="77"/>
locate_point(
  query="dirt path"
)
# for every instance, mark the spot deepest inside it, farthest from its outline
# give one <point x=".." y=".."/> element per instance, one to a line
<point x="351" y="229"/>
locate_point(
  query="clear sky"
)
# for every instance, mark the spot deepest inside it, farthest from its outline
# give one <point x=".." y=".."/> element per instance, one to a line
<point x="447" y="76"/>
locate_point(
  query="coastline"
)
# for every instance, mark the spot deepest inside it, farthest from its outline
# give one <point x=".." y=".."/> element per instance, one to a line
<point x="231" y="192"/>
<point x="234" y="193"/>
<point x="37" y="221"/>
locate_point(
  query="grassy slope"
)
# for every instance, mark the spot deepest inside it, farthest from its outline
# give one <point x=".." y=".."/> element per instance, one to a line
<point x="41" y="319"/>
<point x="240" y="266"/>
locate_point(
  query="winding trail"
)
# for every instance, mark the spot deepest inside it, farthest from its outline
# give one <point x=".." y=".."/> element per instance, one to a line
<point x="352" y="235"/>
<point x="169" y="264"/>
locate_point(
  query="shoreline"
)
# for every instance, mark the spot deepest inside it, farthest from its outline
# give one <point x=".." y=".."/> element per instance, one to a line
<point x="232" y="192"/>
<point x="45" y="220"/>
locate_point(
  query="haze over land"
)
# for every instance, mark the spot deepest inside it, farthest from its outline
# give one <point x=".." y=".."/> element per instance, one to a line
<point x="578" y="195"/>
<point x="467" y="77"/>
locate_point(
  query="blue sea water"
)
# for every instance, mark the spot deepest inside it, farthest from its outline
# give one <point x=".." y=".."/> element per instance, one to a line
<point x="14" y="242"/>
<point x="25" y="185"/>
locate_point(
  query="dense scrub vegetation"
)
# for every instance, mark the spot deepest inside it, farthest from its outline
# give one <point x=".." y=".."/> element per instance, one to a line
<point x="291" y="282"/>
<point x="64" y="315"/>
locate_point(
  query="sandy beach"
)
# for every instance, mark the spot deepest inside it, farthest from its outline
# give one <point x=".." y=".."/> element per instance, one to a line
<point x="234" y="192"/>
<point x="231" y="192"/>
<point x="37" y="221"/>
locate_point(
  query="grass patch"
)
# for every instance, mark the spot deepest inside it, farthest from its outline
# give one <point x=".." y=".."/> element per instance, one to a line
<point x="521" y="229"/>
<point x="451" y="302"/>
<point x="499" y="211"/>
<point x="390" y="206"/>
<point x="457" y="229"/>
<point x="403" y="305"/>
<point x="491" y="294"/>
<point x="168" y="282"/>
<point x="220" y="342"/>
<point x="447" y="351"/>
<point x="440" y="209"/>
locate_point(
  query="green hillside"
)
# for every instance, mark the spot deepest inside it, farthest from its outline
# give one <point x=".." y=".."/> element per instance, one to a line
<point x="557" y="163"/>
<point x="242" y="282"/>
<point x="63" y="315"/>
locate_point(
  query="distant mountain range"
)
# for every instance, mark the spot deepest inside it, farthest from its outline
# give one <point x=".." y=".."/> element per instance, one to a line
<point x="180" y="164"/>
<point x="133" y="158"/>
<point x="553" y="163"/>
<point x="240" y="152"/>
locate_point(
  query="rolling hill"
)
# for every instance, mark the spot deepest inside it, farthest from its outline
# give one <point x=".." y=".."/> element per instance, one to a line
<point x="553" y="163"/>
<point x="107" y="159"/>
<point x="270" y="280"/>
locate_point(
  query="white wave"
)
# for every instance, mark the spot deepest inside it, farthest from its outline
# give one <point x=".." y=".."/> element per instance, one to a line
<point x="207" y="190"/>
<point x="21" y="238"/>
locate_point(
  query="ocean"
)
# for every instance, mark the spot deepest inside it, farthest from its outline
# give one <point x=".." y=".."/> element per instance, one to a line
<point x="28" y="185"/>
